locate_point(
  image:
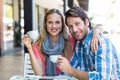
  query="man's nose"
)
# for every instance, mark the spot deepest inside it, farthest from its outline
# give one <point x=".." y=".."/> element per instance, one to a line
<point x="74" y="29"/>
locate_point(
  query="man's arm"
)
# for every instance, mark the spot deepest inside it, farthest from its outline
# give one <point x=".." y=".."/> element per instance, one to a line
<point x="80" y="75"/>
<point x="64" y="65"/>
<point x="103" y="61"/>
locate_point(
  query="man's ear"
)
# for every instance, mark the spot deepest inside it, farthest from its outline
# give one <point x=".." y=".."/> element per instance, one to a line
<point x="86" y="22"/>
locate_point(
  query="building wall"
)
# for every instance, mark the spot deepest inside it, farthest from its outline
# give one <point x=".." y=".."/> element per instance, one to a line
<point x="38" y="11"/>
<point x="1" y="26"/>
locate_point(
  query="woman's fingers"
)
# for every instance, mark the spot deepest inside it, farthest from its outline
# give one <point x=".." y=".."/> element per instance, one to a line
<point x="26" y="40"/>
<point x="95" y="42"/>
<point x="25" y="36"/>
<point x="100" y="40"/>
<point x="96" y="45"/>
<point x="93" y="45"/>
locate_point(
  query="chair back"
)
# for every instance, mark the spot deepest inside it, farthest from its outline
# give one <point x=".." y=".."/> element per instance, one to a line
<point x="27" y="66"/>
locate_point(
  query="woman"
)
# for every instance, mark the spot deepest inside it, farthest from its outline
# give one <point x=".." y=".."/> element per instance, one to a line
<point x="54" y="39"/>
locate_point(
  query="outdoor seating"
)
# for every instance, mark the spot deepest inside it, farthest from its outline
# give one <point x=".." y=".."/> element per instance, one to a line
<point x="27" y="66"/>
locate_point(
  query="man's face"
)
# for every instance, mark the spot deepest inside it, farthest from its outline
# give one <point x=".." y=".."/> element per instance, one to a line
<point x="77" y="27"/>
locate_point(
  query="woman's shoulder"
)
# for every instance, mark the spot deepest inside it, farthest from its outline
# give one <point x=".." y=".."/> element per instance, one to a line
<point x="37" y="51"/>
<point x="35" y="44"/>
<point x="71" y="38"/>
<point x="36" y="48"/>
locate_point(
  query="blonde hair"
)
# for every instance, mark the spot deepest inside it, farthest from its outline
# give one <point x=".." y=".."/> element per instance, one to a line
<point x="65" y="33"/>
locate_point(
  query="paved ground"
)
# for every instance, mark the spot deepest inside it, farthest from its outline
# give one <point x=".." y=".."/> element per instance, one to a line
<point x="11" y="64"/>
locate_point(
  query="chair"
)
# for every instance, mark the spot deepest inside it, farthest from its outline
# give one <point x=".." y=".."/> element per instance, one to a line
<point x="27" y="66"/>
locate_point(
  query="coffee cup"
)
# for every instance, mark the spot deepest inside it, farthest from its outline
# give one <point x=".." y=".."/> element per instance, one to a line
<point x="54" y="58"/>
<point x="33" y="34"/>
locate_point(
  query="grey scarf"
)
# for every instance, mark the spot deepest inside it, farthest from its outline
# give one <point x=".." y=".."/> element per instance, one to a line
<point x="49" y="49"/>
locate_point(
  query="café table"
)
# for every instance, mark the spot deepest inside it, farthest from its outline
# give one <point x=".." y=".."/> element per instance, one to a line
<point x="19" y="77"/>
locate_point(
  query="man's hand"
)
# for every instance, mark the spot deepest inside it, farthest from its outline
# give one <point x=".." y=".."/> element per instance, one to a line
<point x="64" y="65"/>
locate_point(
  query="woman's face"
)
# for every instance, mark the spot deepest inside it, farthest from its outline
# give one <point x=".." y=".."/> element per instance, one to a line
<point x="54" y="24"/>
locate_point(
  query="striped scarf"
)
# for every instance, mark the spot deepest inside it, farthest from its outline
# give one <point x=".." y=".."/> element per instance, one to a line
<point x="49" y="49"/>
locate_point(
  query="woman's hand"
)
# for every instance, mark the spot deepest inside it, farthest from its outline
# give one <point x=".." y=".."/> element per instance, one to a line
<point x="27" y="41"/>
<point x="96" y="37"/>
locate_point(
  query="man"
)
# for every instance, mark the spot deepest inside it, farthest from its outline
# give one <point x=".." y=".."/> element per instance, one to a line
<point x="102" y="64"/>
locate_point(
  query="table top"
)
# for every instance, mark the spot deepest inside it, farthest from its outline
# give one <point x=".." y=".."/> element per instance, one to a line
<point x="17" y="77"/>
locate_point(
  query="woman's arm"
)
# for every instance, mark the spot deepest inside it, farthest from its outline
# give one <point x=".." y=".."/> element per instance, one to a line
<point x="96" y="37"/>
<point x="35" y="63"/>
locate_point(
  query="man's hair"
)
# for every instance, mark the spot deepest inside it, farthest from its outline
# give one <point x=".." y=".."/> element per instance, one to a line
<point x="77" y="12"/>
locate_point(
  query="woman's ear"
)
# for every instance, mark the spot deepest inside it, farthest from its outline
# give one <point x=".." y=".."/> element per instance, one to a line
<point x="86" y="22"/>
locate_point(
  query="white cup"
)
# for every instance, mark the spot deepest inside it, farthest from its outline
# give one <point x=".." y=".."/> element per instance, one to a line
<point x="33" y="34"/>
<point x="54" y="58"/>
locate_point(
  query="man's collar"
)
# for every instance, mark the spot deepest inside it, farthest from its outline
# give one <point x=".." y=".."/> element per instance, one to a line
<point x="87" y="38"/>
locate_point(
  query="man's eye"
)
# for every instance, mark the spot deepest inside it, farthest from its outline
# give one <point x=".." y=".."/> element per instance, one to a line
<point x="76" y="24"/>
<point x="69" y="27"/>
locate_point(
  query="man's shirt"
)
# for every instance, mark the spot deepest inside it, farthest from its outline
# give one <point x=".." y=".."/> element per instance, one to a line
<point x="103" y="64"/>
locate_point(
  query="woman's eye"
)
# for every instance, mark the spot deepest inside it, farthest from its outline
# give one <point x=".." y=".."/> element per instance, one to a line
<point x="49" y="22"/>
<point x="58" y="22"/>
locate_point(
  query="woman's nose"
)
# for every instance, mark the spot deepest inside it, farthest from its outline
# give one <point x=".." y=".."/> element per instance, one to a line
<point x="54" y="25"/>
